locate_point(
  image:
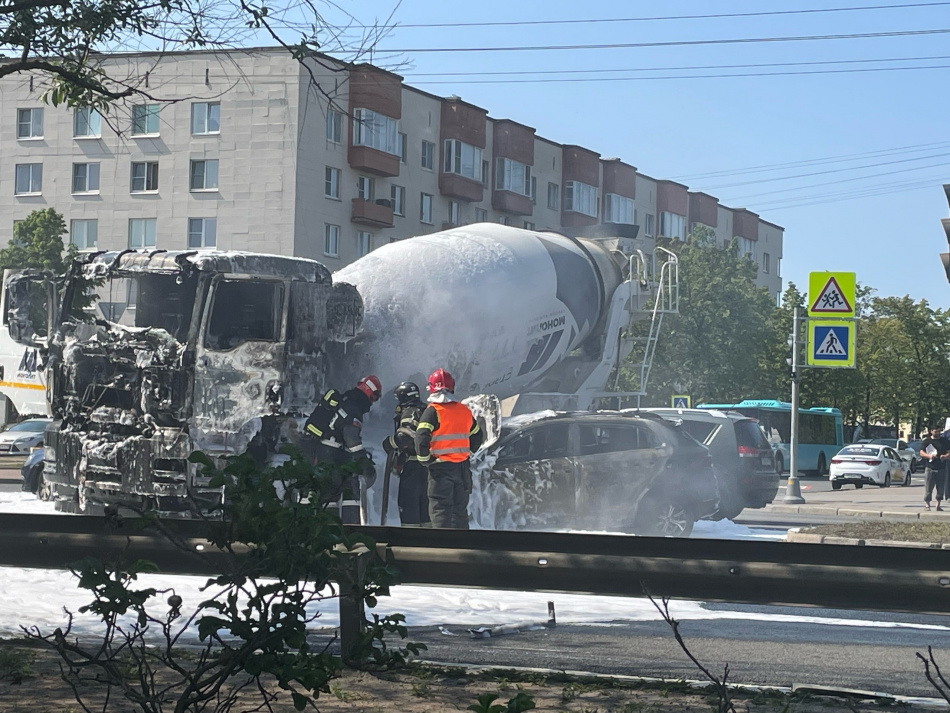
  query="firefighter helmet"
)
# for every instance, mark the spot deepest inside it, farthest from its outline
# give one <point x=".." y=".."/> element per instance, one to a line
<point x="370" y="386"/>
<point x="441" y="379"/>
<point x="406" y="392"/>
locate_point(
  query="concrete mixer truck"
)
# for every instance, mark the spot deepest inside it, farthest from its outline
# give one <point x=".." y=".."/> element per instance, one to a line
<point x="149" y="355"/>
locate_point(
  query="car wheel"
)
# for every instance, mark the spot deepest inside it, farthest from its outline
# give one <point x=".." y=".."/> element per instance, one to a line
<point x="907" y="477"/>
<point x="835" y="485"/>
<point x="887" y="481"/>
<point x="44" y="489"/>
<point x="858" y="486"/>
<point x="661" y="518"/>
<point x="779" y="463"/>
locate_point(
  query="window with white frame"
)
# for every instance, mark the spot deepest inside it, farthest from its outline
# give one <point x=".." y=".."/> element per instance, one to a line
<point x="29" y="178"/>
<point x="672" y="226"/>
<point x="554" y="196"/>
<point x="334" y="126"/>
<point x="144" y="119"/>
<point x="365" y="188"/>
<point x="481" y="215"/>
<point x="766" y="263"/>
<point x="462" y="159"/>
<point x="331" y="186"/>
<point x="202" y="232"/>
<point x="84" y="234"/>
<point x="746" y="247"/>
<point x="375" y="130"/>
<point x="206" y="117"/>
<point x="618" y="209"/>
<point x="399" y="200"/>
<point x="580" y="198"/>
<point x="142" y="233"/>
<point x="29" y="123"/>
<point x="778" y="267"/>
<point x="511" y="175"/>
<point x="528" y="225"/>
<point x="204" y="175"/>
<point x="425" y="208"/>
<point x="364" y="243"/>
<point x="428" y="155"/>
<point x="504" y="220"/>
<point x="144" y="176"/>
<point x="85" y="178"/>
<point x="331" y="240"/>
<point x="533" y="192"/>
<point x="403" y="147"/>
<point x="87" y="123"/>
<point x="648" y="224"/>
<point x="454" y="213"/>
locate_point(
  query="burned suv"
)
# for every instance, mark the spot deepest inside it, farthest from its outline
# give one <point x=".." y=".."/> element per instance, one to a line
<point x="151" y="355"/>
<point x="604" y="470"/>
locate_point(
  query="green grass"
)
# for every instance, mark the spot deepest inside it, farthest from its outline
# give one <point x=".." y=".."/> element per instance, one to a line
<point x="937" y="532"/>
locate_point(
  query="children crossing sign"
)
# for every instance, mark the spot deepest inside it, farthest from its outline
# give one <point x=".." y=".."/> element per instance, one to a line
<point x="831" y="295"/>
<point x="831" y="343"/>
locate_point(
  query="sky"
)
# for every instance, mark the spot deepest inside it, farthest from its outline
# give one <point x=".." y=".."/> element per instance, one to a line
<point x="856" y="159"/>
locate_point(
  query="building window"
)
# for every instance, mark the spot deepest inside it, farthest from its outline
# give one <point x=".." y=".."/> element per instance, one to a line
<point x="206" y="118"/>
<point x="331" y="186"/>
<point x="428" y="153"/>
<point x="485" y="173"/>
<point x="142" y="233"/>
<point x="618" y="209"/>
<point x="399" y="200"/>
<point x="84" y="234"/>
<point x="375" y="130"/>
<point x="334" y="126"/>
<point x="425" y="208"/>
<point x="462" y="159"/>
<point x="534" y="190"/>
<point x="746" y="247"/>
<point x="766" y="263"/>
<point x="365" y="188"/>
<point x="580" y="198"/>
<point x="364" y="243"/>
<point x="554" y="196"/>
<point x="87" y="123"/>
<point x="29" y="178"/>
<point x="204" y="175"/>
<point x="85" y="178"/>
<point x="481" y="215"/>
<point x="331" y="240"/>
<point x="528" y="225"/>
<point x="403" y="147"/>
<point x="512" y="176"/>
<point x="144" y="119"/>
<point x="672" y="226"/>
<point x="648" y="224"/>
<point x="778" y="267"/>
<point x="454" y="213"/>
<point x="29" y="123"/>
<point x="144" y="177"/>
<point x="202" y="232"/>
<point x="504" y="220"/>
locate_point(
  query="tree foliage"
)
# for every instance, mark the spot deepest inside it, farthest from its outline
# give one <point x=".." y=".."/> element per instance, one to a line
<point x="38" y="243"/>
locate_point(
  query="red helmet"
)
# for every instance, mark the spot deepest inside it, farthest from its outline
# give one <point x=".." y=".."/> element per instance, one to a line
<point x="370" y="386"/>
<point x="441" y="379"/>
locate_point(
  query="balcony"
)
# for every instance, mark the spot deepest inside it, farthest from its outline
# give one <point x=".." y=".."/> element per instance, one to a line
<point x="508" y="202"/>
<point x="375" y="214"/>
<point x="379" y="163"/>
<point x="461" y="188"/>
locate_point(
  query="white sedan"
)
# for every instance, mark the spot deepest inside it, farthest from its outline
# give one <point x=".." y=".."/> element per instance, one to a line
<point x="870" y="463"/>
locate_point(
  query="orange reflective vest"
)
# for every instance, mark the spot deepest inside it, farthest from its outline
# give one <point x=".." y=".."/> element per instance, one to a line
<point x="450" y="440"/>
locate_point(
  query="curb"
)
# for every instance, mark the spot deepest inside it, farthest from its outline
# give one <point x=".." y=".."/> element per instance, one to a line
<point x="866" y="514"/>
<point x="795" y="535"/>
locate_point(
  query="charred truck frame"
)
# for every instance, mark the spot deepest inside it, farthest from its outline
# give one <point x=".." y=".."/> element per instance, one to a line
<point x="151" y="355"/>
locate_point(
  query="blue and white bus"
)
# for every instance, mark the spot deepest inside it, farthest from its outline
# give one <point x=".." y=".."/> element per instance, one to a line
<point x="820" y="431"/>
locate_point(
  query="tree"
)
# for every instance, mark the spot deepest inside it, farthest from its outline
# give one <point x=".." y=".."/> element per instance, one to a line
<point x="66" y="41"/>
<point x="38" y="243"/>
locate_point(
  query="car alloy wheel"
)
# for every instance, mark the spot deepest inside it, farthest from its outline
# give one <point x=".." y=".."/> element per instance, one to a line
<point x="44" y="489"/>
<point x="660" y="518"/>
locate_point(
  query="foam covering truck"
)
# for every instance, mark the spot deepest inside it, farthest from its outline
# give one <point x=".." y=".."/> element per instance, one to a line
<point x="150" y="355"/>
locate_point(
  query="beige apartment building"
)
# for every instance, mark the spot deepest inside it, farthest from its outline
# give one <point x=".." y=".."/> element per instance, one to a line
<point x="252" y="155"/>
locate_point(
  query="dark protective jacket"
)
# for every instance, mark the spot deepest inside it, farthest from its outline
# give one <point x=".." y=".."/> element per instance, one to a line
<point x="337" y="421"/>
<point x="405" y="423"/>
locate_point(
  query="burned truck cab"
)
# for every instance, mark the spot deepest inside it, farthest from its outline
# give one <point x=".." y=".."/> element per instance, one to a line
<point x="152" y="355"/>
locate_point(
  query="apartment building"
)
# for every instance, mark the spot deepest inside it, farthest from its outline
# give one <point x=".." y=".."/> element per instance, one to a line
<point x="327" y="161"/>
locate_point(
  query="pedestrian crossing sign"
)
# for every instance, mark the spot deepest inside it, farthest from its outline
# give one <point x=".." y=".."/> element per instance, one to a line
<point x="831" y="343"/>
<point x="680" y="400"/>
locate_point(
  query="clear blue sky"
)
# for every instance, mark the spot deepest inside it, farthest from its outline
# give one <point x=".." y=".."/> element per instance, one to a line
<point x="890" y="235"/>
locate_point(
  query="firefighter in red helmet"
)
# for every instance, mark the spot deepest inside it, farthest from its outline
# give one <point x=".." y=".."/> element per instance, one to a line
<point x="334" y="432"/>
<point x="445" y="438"/>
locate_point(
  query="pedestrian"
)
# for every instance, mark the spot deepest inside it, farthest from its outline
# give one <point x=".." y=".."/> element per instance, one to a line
<point x="412" y="499"/>
<point x="447" y="435"/>
<point x="334" y="435"/>
<point x="935" y="449"/>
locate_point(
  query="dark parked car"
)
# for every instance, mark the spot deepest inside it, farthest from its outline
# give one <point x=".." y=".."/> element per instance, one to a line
<point x="742" y="456"/>
<point x="32" y="472"/>
<point x="605" y="470"/>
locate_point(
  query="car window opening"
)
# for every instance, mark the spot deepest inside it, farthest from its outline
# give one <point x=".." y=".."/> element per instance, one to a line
<point x="244" y="311"/>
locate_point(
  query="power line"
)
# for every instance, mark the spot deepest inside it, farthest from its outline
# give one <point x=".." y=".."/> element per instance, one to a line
<point x="668" y="43"/>
<point x="884" y="189"/>
<point x="862" y="70"/>
<point x="722" y="15"/>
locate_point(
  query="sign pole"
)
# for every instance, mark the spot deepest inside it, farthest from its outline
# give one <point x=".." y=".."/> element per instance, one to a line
<point x="793" y="492"/>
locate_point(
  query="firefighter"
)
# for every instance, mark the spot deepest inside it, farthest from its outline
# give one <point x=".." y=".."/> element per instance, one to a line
<point x="334" y="436"/>
<point x="445" y="438"/>
<point x="413" y="475"/>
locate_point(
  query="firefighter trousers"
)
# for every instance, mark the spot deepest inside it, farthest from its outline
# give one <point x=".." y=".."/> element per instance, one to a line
<point x="450" y="485"/>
